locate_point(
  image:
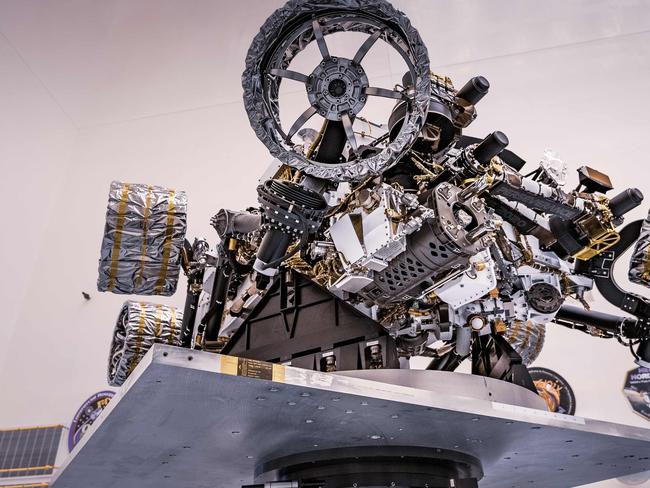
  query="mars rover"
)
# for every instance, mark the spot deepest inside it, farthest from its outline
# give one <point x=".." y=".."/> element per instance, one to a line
<point x="375" y="241"/>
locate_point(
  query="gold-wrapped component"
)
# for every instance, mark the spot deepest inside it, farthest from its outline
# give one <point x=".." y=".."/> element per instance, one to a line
<point x="527" y="338"/>
<point x="480" y="266"/>
<point x="602" y="234"/>
<point x="500" y="327"/>
<point x="388" y="316"/>
<point x="442" y="81"/>
<point x="324" y="272"/>
<point x="285" y="172"/>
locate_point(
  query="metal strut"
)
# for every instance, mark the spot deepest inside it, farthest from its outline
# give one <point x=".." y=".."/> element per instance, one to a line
<point x="494" y="357"/>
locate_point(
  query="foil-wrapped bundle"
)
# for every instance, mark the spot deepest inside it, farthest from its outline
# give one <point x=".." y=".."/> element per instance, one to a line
<point x="139" y="326"/>
<point x="143" y="239"/>
<point x="527" y="338"/>
<point x="640" y="261"/>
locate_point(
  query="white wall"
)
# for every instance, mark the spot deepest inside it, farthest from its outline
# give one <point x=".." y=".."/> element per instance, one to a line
<point x="36" y="142"/>
<point x="148" y="91"/>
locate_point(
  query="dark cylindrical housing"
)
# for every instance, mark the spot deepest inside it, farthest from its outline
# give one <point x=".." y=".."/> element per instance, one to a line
<point x="491" y="146"/>
<point x="625" y="201"/>
<point x="229" y="222"/>
<point x="189" y="312"/>
<point x="603" y="321"/>
<point x="474" y="89"/>
<point x="217" y="304"/>
<point x="291" y="212"/>
<point x="274" y="245"/>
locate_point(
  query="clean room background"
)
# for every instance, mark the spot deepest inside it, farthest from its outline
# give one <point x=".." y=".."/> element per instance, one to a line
<point x="149" y="91"/>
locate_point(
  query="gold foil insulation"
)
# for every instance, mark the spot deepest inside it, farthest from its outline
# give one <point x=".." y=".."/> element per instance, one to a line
<point x="527" y="338"/>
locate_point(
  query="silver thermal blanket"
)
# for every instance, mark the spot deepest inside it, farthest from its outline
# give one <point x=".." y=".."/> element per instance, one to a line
<point x="143" y="239"/>
<point x="139" y="326"/>
<point x="640" y="261"/>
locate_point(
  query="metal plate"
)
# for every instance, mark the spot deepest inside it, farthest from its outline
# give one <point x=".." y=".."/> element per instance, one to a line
<point x="185" y="418"/>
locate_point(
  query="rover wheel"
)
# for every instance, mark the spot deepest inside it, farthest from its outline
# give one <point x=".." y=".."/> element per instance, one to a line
<point x="337" y="88"/>
<point x="139" y="326"/>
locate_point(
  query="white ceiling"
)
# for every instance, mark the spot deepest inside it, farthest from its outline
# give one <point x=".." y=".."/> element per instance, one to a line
<point x="115" y="60"/>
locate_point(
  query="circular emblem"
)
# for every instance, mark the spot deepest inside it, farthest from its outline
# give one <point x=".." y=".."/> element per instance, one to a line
<point x="637" y="390"/>
<point x="86" y="415"/>
<point x="555" y="390"/>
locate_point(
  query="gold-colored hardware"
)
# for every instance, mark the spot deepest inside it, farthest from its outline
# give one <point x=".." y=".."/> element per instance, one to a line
<point x="480" y="266"/>
<point x="500" y="326"/>
<point x="167" y="246"/>
<point x="31" y="468"/>
<point x="602" y="235"/>
<point x="119" y="230"/>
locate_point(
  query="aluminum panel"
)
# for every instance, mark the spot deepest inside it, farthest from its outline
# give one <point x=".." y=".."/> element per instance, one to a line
<point x="184" y="418"/>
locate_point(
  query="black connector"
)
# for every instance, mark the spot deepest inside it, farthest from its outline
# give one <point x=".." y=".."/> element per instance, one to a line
<point x="474" y="90"/>
<point x="600" y="320"/>
<point x="290" y="212"/>
<point x="274" y="244"/>
<point x="491" y="146"/>
<point x="625" y="201"/>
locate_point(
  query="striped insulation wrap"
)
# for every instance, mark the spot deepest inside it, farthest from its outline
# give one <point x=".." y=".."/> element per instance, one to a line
<point x="139" y="326"/>
<point x="527" y="338"/>
<point x="640" y="261"/>
<point x="143" y="238"/>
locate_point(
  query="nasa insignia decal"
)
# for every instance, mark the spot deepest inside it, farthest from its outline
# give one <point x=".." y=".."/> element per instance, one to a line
<point x="637" y="390"/>
<point x="86" y="415"/>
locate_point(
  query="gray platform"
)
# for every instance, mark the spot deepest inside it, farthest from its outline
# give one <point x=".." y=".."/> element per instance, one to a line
<point x="197" y="420"/>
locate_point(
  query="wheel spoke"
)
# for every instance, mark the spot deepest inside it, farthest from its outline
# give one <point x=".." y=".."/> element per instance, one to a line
<point x="365" y="47"/>
<point x="383" y="92"/>
<point x="292" y="75"/>
<point x="320" y="40"/>
<point x="300" y="121"/>
<point x="349" y="131"/>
